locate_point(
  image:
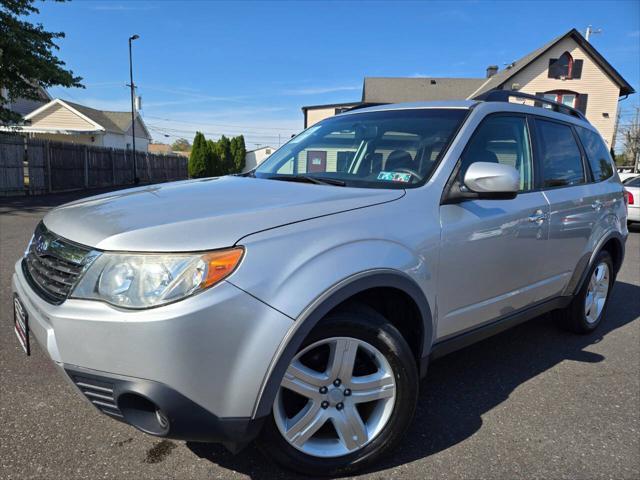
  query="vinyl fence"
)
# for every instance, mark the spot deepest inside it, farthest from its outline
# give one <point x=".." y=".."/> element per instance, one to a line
<point x="32" y="167"/>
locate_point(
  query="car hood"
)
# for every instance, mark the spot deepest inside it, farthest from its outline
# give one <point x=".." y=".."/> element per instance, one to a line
<point x="204" y="214"/>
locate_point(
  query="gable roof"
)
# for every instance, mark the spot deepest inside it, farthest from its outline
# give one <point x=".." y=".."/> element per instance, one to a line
<point x="398" y="89"/>
<point x="109" y="121"/>
<point x="500" y="78"/>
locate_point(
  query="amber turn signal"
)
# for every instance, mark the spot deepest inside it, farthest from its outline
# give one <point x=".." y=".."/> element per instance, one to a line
<point x="220" y="265"/>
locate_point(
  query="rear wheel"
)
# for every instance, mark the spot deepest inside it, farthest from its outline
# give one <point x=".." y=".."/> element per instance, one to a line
<point x="588" y="307"/>
<point x="347" y="397"/>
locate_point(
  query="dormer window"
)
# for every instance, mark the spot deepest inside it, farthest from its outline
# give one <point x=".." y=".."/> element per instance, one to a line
<point x="565" y="67"/>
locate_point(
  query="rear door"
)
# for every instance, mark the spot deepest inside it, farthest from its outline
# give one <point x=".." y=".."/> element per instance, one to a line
<point x="574" y="200"/>
<point x="491" y="250"/>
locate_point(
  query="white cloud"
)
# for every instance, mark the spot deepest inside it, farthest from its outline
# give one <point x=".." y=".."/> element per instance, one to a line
<point x="321" y="90"/>
<point x="121" y="7"/>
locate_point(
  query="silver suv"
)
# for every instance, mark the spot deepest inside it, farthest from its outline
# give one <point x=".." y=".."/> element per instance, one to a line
<point x="300" y="304"/>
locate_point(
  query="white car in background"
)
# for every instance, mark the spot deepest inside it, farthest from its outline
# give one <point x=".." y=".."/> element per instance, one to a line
<point x="632" y="192"/>
<point x="624" y="174"/>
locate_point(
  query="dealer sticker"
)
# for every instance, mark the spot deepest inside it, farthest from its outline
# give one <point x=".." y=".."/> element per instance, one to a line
<point x="394" y="177"/>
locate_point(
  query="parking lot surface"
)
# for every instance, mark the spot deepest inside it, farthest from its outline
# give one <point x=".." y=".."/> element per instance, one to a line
<point x="533" y="402"/>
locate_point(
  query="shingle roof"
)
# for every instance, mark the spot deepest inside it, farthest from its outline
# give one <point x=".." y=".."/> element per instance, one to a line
<point x="398" y="90"/>
<point x="497" y="80"/>
<point x="117" y="122"/>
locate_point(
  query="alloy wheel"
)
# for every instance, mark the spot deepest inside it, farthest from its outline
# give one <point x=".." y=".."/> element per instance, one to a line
<point x="336" y="396"/>
<point x="597" y="292"/>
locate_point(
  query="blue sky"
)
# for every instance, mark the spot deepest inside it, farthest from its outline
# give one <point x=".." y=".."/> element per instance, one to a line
<point x="248" y="67"/>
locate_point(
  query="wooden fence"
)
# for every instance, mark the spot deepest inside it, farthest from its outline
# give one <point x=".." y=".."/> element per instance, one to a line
<point x="32" y="167"/>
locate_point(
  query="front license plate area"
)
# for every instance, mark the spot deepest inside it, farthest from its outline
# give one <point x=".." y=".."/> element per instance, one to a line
<point x="21" y="324"/>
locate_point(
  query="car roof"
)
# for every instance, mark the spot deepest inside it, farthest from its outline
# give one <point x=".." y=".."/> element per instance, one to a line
<point x="496" y="106"/>
<point x="464" y="104"/>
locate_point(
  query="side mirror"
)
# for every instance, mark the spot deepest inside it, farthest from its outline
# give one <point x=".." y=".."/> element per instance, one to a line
<point x="492" y="180"/>
<point x="485" y="180"/>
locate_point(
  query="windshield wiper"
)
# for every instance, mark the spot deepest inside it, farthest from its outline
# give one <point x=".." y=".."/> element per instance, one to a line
<point x="310" y="179"/>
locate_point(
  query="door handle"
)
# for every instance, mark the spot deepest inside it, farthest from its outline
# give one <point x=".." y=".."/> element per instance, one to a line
<point x="537" y="217"/>
<point x="597" y="205"/>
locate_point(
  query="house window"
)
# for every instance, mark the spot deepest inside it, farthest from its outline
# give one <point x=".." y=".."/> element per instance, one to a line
<point x="565" y="67"/>
<point x="565" y="98"/>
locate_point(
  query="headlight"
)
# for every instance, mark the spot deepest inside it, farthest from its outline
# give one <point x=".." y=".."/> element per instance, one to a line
<point x="150" y="280"/>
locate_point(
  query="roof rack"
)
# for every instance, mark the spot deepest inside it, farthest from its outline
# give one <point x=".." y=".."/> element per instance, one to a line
<point x="365" y="105"/>
<point x="504" y="95"/>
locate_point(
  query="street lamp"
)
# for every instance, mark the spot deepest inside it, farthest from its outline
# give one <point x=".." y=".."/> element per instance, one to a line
<point x="136" y="180"/>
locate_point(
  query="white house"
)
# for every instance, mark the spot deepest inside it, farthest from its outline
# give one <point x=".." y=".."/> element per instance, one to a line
<point x="64" y="121"/>
<point x="253" y="158"/>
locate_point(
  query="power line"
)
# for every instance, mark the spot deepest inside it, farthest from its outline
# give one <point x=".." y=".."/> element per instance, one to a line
<point x="291" y="130"/>
<point x="217" y="134"/>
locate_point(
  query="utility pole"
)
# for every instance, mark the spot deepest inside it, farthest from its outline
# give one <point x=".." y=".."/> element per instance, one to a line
<point x="136" y="180"/>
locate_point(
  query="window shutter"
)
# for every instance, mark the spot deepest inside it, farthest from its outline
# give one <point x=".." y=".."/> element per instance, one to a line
<point x="581" y="103"/>
<point x="552" y="71"/>
<point x="576" y="70"/>
<point x="538" y="104"/>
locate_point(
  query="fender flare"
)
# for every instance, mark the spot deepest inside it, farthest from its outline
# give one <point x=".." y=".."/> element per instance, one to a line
<point x="580" y="273"/>
<point x="322" y="305"/>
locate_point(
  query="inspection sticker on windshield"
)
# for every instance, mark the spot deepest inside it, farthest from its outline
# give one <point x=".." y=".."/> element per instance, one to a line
<point x="394" y="177"/>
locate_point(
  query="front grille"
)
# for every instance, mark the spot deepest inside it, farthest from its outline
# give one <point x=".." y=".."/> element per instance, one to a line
<point x="52" y="265"/>
<point x="98" y="392"/>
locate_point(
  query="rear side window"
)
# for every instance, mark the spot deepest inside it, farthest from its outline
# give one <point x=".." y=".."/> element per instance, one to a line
<point x="560" y="156"/>
<point x="597" y="154"/>
<point x="632" y="182"/>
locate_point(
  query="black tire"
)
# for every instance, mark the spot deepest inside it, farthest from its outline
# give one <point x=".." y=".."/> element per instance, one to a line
<point x="366" y="324"/>
<point x="573" y="317"/>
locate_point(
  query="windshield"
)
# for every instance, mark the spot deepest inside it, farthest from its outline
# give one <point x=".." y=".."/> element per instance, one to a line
<point x="384" y="149"/>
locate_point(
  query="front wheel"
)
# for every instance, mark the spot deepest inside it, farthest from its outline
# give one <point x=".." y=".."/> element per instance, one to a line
<point x="347" y="396"/>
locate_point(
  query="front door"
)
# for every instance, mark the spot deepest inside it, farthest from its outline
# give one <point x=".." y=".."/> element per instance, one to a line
<point x="491" y="250"/>
<point x="316" y="161"/>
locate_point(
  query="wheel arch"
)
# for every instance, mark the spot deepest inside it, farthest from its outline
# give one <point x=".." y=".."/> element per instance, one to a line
<point x="340" y="294"/>
<point x="614" y="243"/>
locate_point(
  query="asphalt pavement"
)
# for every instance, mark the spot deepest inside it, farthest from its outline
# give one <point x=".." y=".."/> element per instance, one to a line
<point x="532" y="402"/>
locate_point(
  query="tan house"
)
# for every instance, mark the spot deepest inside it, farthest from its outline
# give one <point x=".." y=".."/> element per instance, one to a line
<point x="64" y="121"/>
<point x="568" y="69"/>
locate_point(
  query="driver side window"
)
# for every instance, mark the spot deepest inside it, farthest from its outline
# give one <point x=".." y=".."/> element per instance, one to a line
<point x="502" y="139"/>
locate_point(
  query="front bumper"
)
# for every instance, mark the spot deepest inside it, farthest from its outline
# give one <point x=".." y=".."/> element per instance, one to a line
<point x="159" y="410"/>
<point x="202" y="360"/>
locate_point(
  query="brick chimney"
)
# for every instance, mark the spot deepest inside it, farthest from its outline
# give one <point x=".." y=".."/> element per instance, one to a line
<point x="492" y="70"/>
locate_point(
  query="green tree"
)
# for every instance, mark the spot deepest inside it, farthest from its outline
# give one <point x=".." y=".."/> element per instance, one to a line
<point x="198" y="158"/>
<point x="181" y="145"/>
<point x="238" y="152"/>
<point x="223" y="148"/>
<point x="27" y="60"/>
<point x="213" y="159"/>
